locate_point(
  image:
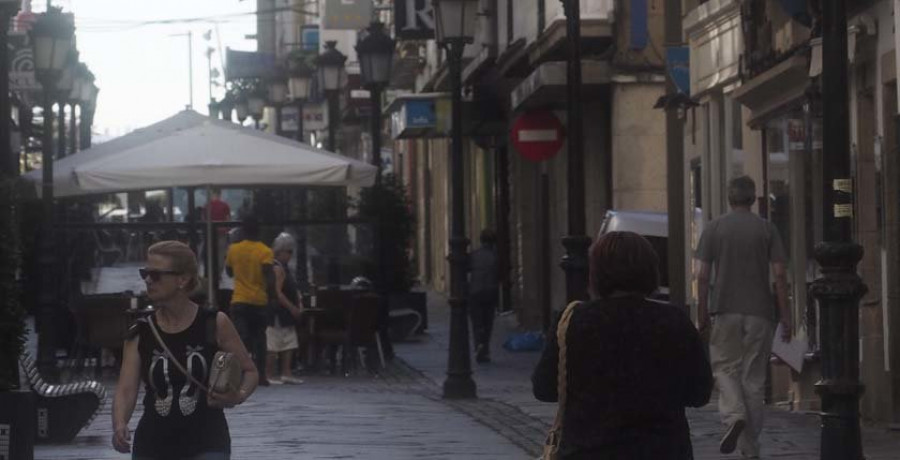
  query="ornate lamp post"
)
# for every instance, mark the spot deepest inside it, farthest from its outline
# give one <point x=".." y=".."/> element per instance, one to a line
<point x="455" y="22"/>
<point x="241" y="110"/>
<point x="226" y="106"/>
<point x="332" y="76"/>
<point x="64" y="87"/>
<point x="376" y="55"/>
<point x="575" y="261"/>
<point x="277" y="89"/>
<point x="8" y="164"/>
<point x="255" y="105"/>
<point x="88" y="100"/>
<point x="839" y="289"/>
<point x="52" y="37"/>
<point x="74" y="101"/>
<point x="299" y="87"/>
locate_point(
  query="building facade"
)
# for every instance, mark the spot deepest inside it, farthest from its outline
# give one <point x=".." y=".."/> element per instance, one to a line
<point x="517" y="66"/>
<point x="755" y="71"/>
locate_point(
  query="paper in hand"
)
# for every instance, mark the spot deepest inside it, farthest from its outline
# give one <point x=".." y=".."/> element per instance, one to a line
<point x="790" y="352"/>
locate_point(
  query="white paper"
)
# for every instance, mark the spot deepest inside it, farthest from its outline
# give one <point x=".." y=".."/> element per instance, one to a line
<point x="790" y="352"/>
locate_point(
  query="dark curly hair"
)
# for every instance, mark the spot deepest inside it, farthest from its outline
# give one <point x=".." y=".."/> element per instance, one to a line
<point x="623" y="262"/>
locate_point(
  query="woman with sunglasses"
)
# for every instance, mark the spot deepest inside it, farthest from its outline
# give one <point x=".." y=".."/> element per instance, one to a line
<point x="179" y="420"/>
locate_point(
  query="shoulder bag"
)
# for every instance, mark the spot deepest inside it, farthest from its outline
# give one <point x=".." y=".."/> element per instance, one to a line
<point x="551" y="444"/>
<point x="224" y="373"/>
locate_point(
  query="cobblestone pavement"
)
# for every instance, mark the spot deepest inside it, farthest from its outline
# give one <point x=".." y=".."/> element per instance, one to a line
<point x="394" y="416"/>
<point x="507" y="406"/>
<point x="400" y="415"/>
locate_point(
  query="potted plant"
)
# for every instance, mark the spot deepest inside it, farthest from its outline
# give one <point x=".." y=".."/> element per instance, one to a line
<point x="17" y="405"/>
<point x="388" y="209"/>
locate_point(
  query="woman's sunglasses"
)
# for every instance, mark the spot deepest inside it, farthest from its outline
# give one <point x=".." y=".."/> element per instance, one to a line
<point x="155" y="275"/>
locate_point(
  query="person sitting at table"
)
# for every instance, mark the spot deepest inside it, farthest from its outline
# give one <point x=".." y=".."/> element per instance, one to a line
<point x="281" y="333"/>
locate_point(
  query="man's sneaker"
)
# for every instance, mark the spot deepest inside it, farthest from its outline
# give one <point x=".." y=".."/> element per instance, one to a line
<point x="729" y="441"/>
<point x="276" y="381"/>
<point x="291" y="380"/>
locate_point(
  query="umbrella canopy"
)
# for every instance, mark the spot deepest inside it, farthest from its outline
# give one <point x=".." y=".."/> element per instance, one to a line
<point x="190" y="149"/>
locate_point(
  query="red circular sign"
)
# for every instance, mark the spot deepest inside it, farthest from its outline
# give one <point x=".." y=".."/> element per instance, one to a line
<point x="537" y="135"/>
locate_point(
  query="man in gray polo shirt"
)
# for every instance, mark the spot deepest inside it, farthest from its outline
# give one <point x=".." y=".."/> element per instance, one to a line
<point x="735" y="253"/>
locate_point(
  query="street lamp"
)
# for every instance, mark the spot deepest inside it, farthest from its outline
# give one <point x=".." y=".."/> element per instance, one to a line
<point x="241" y="110"/>
<point x="299" y="86"/>
<point x="88" y="99"/>
<point x="576" y="243"/>
<point x="74" y="100"/>
<point x="455" y="23"/>
<point x="64" y="87"/>
<point x="52" y="37"/>
<point x="840" y="288"/>
<point x="255" y="105"/>
<point x="300" y="75"/>
<point x="277" y="89"/>
<point x="376" y="54"/>
<point x="332" y="76"/>
<point x="8" y="163"/>
<point x="226" y="107"/>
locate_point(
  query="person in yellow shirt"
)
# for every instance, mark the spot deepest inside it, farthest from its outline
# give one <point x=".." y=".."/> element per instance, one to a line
<point x="249" y="262"/>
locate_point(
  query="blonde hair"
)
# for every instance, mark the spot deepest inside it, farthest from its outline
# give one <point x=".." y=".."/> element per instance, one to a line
<point x="183" y="260"/>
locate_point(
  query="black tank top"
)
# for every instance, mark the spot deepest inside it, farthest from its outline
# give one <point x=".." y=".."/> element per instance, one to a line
<point x="289" y="289"/>
<point x="177" y="421"/>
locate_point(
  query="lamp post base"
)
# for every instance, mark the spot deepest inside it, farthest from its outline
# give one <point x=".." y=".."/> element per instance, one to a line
<point x="459" y="383"/>
<point x="838" y="292"/>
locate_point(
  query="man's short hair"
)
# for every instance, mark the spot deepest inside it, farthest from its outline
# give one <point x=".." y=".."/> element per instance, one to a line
<point x="741" y="191"/>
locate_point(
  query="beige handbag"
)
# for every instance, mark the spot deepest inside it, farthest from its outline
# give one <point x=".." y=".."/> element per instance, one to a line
<point x="224" y="373"/>
<point x="551" y="444"/>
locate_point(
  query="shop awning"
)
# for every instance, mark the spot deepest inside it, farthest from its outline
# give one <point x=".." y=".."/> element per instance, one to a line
<point x="546" y="85"/>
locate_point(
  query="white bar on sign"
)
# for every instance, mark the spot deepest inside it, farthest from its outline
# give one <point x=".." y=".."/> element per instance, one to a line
<point x="538" y="135"/>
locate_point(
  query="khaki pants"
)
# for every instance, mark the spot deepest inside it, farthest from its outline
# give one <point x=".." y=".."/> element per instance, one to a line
<point x="739" y="353"/>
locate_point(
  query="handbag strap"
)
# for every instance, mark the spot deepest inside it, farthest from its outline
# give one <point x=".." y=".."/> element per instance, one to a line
<point x="171" y="356"/>
<point x="561" y="331"/>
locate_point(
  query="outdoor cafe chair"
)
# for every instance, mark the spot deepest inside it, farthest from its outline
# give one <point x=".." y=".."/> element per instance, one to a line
<point x="356" y="328"/>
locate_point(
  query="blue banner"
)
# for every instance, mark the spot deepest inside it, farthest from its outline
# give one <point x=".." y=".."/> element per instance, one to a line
<point x="678" y="65"/>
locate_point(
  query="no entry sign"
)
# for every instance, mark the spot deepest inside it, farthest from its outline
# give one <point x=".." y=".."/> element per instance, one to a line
<point x="537" y="135"/>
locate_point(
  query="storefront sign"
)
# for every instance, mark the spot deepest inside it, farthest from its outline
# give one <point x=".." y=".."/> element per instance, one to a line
<point x="347" y="14"/>
<point x="413" y="19"/>
<point x="309" y="38"/>
<point x="421" y="116"/>
<point x="289" y="119"/>
<point x="248" y="64"/>
<point x="537" y="135"/>
<point x="314" y="117"/>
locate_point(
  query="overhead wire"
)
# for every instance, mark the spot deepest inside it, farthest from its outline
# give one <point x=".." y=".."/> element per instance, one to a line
<point x="90" y="25"/>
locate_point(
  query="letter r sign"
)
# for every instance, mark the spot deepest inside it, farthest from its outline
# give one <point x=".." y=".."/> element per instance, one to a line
<point x="413" y="19"/>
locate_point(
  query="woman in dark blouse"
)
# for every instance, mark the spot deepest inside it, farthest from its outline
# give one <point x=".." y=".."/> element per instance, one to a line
<point x="632" y="364"/>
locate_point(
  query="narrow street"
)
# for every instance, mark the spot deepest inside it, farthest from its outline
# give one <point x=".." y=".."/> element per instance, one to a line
<point x="400" y="415"/>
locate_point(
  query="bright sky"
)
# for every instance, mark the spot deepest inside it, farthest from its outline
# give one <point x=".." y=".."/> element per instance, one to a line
<point x="142" y="71"/>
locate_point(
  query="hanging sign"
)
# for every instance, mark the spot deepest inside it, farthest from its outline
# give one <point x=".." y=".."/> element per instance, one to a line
<point x="413" y="19"/>
<point x="538" y="135"/>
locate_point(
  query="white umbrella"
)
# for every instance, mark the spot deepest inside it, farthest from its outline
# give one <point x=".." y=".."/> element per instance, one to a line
<point x="190" y="149"/>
